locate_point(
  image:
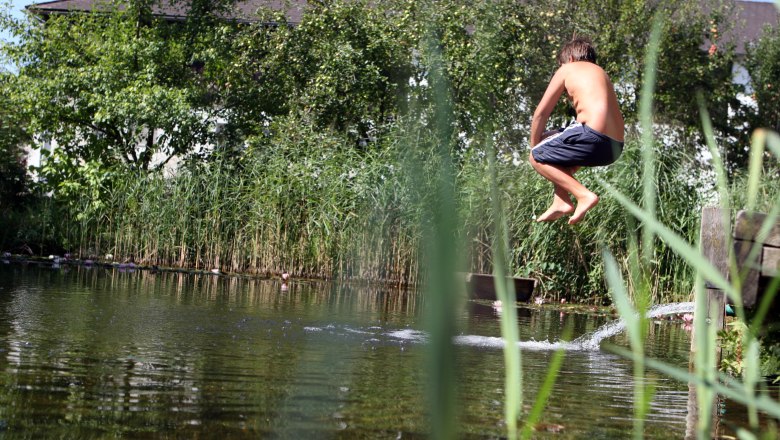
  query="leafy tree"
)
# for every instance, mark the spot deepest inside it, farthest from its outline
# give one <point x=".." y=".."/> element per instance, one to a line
<point x="116" y="88"/>
<point x="501" y="53"/>
<point x="497" y="57"/>
<point x="14" y="180"/>
<point x="345" y="66"/>
<point x="620" y="32"/>
<point x="17" y="199"/>
<point x="352" y="66"/>
<point x="763" y="64"/>
<point x="122" y="87"/>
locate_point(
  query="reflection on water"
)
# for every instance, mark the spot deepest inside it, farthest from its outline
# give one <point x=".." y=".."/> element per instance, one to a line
<point x="96" y="352"/>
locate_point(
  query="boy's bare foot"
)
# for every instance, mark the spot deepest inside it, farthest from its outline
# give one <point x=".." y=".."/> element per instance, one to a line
<point x="584" y="204"/>
<point x="556" y="211"/>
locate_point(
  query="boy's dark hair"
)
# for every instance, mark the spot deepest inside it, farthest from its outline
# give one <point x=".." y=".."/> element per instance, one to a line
<point x="578" y="49"/>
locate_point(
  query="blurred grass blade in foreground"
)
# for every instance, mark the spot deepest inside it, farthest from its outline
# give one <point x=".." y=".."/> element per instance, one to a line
<point x="441" y="232"/>
<point x="505" y="292"/>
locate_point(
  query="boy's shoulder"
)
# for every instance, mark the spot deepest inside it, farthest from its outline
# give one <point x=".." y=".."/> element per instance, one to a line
<point x="579" y="66"/>
<point x="579" y="72"/>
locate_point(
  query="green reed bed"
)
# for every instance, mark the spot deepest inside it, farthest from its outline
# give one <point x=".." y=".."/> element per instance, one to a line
<point x="313" y="204"/>
<point x="310" y="204"/>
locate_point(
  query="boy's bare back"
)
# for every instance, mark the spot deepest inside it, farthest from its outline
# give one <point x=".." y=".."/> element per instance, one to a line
<point x="592" y="95"/>
<point x="595" y="140"/>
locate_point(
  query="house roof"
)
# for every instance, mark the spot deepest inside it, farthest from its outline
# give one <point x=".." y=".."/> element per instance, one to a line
<point x="243" y="10"/>
<point x="751" y="18"/>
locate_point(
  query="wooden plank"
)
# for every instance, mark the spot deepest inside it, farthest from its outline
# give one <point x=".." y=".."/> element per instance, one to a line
<point x="750" y="270"/>
<point x="770" y="262"/>
<point x="748" y="224"/>
<point x="482" y="286"/>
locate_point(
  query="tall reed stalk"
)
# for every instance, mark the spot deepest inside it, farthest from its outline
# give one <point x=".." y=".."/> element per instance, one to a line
<point x="505" y="292"/>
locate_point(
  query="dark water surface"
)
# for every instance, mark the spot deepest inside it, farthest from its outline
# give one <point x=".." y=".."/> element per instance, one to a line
<point x="95" y="353"/>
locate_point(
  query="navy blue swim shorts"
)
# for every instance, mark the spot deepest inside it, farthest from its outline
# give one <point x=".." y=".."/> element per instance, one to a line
<point x="578" y="145"/>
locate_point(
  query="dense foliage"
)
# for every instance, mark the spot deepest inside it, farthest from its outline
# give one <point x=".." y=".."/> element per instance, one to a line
<point x="13" y="171"/>
<point x="763" y="64"/>
<point x="293" y="143"/>
<point x="15" y="196"/>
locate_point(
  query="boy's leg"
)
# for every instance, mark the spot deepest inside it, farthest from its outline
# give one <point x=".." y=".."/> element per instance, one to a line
<point x="565" y="181"/>
<point x="561" y="205"/>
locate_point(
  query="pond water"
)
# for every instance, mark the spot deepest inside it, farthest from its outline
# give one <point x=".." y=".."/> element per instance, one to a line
<point x="87" y="353"/>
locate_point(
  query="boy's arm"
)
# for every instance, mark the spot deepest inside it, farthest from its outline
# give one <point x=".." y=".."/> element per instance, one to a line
<point x="547" y="104"/>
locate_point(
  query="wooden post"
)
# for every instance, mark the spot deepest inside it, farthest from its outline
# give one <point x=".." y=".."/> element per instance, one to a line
<point x="692" y="417"/>
<point x="714" y="239"/>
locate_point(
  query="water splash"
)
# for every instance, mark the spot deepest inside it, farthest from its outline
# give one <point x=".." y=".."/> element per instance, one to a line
<point x="591" y="341"/>
<point x="409" y="335"/>
<point x="587" y="342"/>
<point x="497" y="342"/>
<point x="671" y="309"/>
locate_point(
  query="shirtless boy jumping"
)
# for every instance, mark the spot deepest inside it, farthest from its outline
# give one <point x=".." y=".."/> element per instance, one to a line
<point x="596" y="139"/>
